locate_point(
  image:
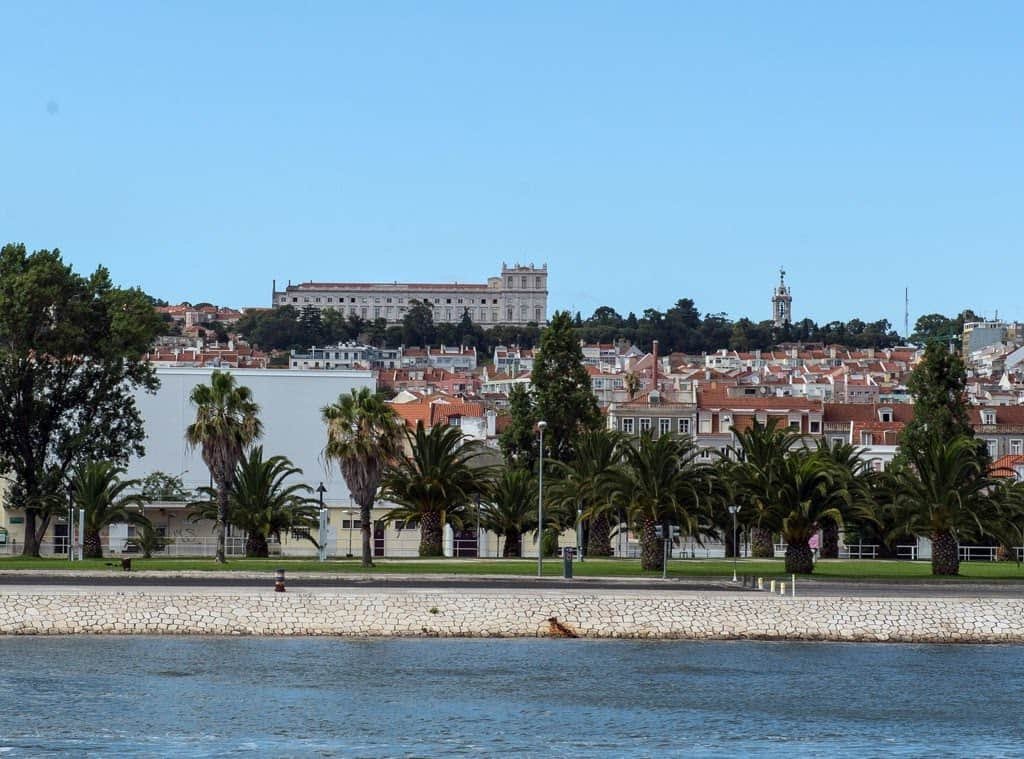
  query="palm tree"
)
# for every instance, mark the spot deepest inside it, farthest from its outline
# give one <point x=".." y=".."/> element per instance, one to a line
<point x="942" y="491"/>
<point x="97" y="488"/>
<point x="809" y="490"/>
<point x="660" y="483"/>
<point x="760" y="451"/>
<point x="262" y="504"/>
<point x="509" y="508"/>
<point x="363" y="434"/>
<point x="433" y="483"/>
<point x="226" y="424"/>
<point x="583" y="484"/>
<point x="149" y="540"/>
<point x="856" y="475"/>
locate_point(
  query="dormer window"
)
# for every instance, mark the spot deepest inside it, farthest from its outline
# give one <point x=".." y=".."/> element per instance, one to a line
<point x="988" y="417"/>
<point x="885" y="414"/>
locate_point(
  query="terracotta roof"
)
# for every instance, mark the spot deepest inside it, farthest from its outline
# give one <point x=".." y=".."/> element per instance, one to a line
<point x="1007" y="466"/>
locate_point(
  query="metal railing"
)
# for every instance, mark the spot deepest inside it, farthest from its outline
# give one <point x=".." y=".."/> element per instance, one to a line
<point x="987" y="553"/>
<point x="908" y="553"/>
<point x="859" y="551"/>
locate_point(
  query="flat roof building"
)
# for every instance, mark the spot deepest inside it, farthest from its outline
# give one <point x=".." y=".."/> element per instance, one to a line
<point x="519" y="296"/>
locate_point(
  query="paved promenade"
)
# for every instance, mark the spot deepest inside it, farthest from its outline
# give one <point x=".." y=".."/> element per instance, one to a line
<point x="256" y="582"/>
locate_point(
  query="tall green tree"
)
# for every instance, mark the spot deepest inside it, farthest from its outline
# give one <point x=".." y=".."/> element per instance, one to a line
<point x="97" y="488"/>
<point x="263" y="503"/>
<point x="227" y="422"/>
<point x="434" y="482"/>
<point x="561" y="386"/>
<point x="418" y="325"/>
<point x="70" y="349"/>
<point x="518" y="440"/>
<point x="363" y="435"/>
<point x="939" y="387"/>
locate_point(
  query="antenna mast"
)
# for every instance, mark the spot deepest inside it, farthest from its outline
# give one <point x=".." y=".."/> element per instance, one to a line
<point x="906" y="313"/>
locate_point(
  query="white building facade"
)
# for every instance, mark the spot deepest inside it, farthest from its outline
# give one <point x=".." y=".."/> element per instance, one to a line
<point x="517" y="297"/>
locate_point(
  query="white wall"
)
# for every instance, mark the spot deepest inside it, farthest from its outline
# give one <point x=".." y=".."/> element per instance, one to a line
<point x="290" y="404"/>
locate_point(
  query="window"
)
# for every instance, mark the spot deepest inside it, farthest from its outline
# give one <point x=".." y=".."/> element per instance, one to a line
<point x="684" y="427"/>
<point x="993" y="447"/>
<point x="724" y="422"/>
<point x="447" y="300"/>
<point x="351" y="524"/>
<point x="988" y="417"/>
<point x="815" y="427"/>
<point x="836" y="440"/>
<point x="627" y="426"/>
<point x="1016" y="447"/>
<point x="483" y="301"/>
<point x="295" y="300"/>
<point x="387" y="300"/>
<point x="885" y="415"/>
<point x="300" y="533"/>
<point x="522" y="282"/>
<point x="317" y="299"/>
<point x="645" y="425"/>
<point x="794" y="425"/>
<point x="510" y="283"/>
<point x="536" y="282"/>
<point x="536" y="315"/>
<point x="705" y="426"/>
<point x="664" y="426"/>
<point x="866" y="438"/>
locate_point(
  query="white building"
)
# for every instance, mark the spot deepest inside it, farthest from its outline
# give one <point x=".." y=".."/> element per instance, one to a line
<point x="518" y="296"/>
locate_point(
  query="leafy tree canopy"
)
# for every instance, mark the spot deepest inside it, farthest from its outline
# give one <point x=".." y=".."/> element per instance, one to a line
<point x="70" y="361"/>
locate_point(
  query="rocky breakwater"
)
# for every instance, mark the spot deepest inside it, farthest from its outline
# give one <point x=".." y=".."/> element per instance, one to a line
<point x="514" y="614"/>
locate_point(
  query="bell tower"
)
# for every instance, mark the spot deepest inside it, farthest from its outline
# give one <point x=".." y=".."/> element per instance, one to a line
<point x="782" y="302"/>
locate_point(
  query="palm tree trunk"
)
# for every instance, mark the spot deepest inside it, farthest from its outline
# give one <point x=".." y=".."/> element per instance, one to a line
<point x="431" y="535"/>
<point x="31" y="547"/>
<point x="761" y="546"/>
<point x="799" y="558"/>
<point x="364" y="518"/>
<point x="92" y="547"/>
<point x="599" y="542"/>
<point x="256" y="546"/>
<point x="945" y="554"/>
<point x="222" y="522"/>
<point x="829" y="539"/>
<point x="513" y="545"/>
<point x="651" y="550"/>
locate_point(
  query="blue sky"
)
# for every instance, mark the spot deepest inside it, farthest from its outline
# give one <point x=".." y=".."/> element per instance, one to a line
<point x="646" y="151"/>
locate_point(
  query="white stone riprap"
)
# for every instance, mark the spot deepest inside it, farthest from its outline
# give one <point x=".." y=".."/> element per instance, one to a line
<point x="514" y="614"/>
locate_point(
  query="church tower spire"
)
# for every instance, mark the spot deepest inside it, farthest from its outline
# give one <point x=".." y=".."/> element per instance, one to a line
<point x="782" y="302"/>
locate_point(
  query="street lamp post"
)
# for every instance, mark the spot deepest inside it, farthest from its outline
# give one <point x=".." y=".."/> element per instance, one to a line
<point x="734" y="510"/>
<point x="323" y="524"/>
<point x="349" y="554"/>
<point x="579" y="534"/>
<point x="541" y="425"/>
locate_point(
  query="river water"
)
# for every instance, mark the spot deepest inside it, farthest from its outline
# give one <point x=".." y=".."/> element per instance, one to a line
<point x="167" y="697"/>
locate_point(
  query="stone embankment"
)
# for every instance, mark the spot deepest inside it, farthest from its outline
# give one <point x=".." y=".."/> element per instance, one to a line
<point x="514" y="614"/>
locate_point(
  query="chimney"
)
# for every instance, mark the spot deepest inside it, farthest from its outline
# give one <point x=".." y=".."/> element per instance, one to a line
<point x="654" y="370"/>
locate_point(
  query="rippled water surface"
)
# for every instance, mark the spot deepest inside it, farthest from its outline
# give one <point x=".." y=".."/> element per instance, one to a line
<point x="331" y="697"/>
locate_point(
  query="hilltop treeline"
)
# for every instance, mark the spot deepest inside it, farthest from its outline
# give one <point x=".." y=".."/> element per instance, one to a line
<point x="681" y="328"/>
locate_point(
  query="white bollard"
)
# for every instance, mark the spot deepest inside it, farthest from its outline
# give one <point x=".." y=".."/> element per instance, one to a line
<point x="794" y="586"/>
<point x="773" y="586"/>
<point x="782" y="588"/>
<point x="760" y="583"/>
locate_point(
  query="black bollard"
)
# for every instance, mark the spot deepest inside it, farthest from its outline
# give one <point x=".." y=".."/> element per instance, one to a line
<point x="279" y="581"/>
